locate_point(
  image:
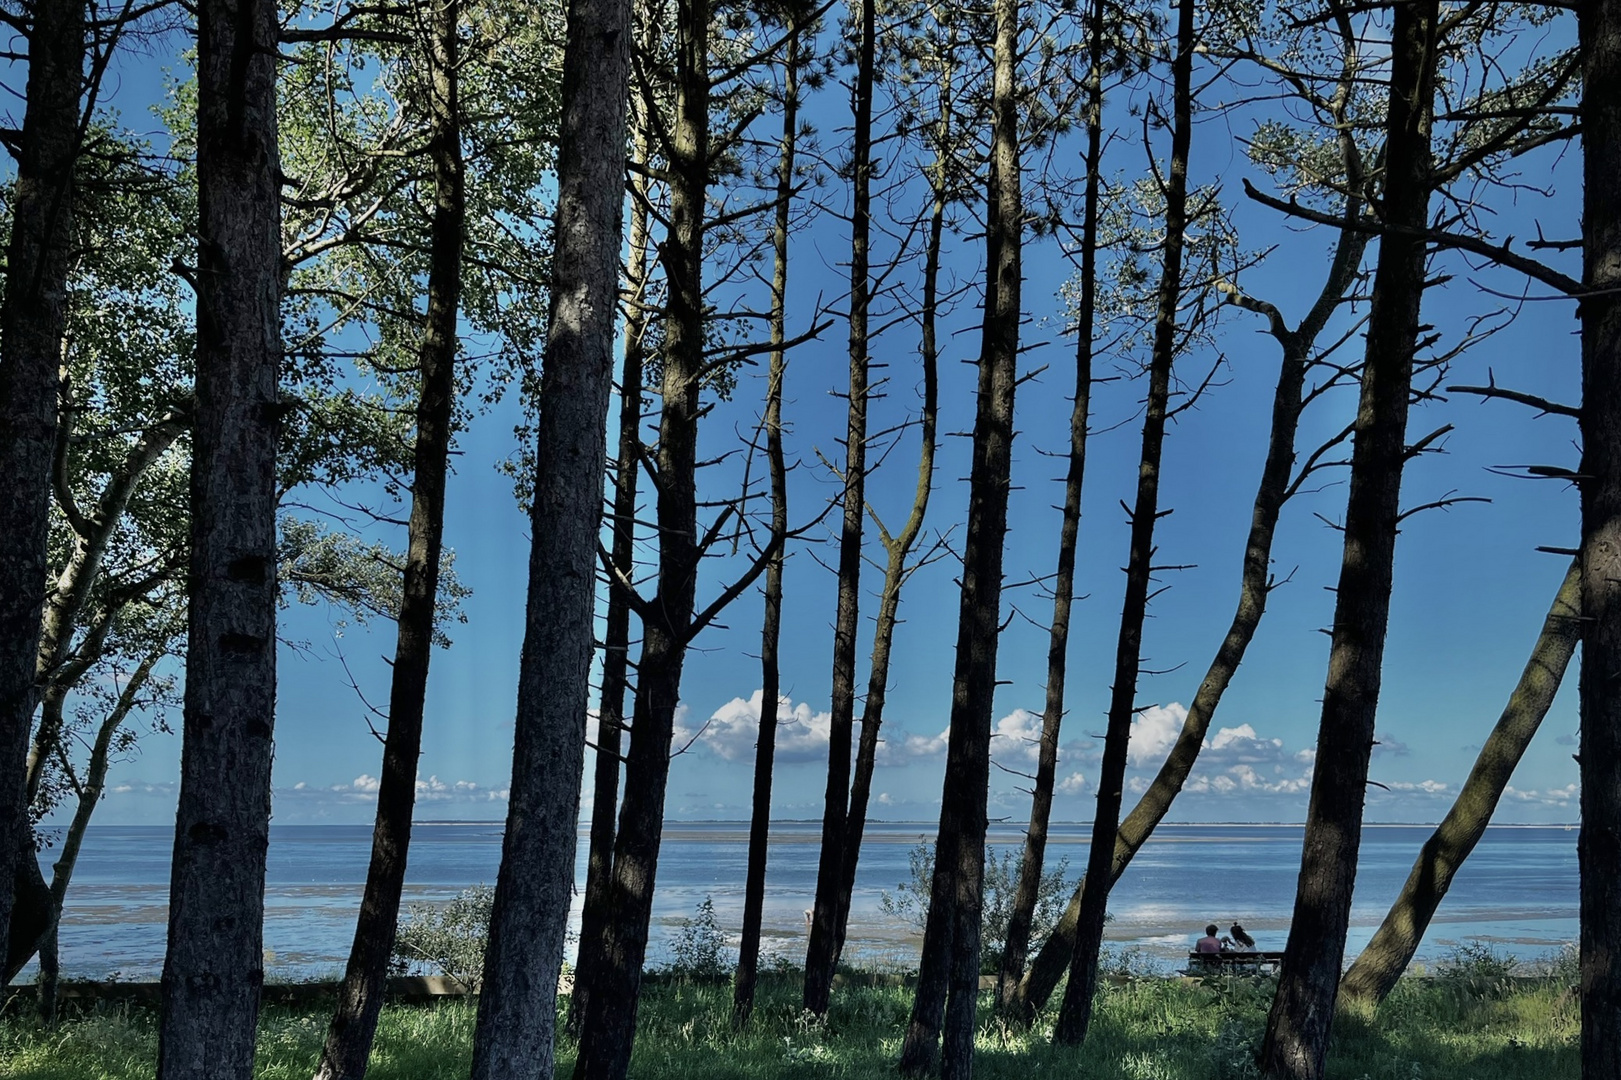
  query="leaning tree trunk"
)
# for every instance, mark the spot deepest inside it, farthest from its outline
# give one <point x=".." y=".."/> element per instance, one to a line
<point x="822" y="953"/>
<point x="1297" y="1031"/>
<point x="360" y="995"/>
<point x="948" y="975"/>
<point x="1053" y="959"/>
<point x="748" y="950"/>
<point x="609" y="1025"/>
<point x="1376" y="970"/>
<point x="1076" y="1013"/>
<point x="896" y="569"/>
<point x="31" y="326"/>
<point x="1600" y="843"/>
<point x="89" y="795"/>
<point x="215" y="962"/>
<point x="1016" y="948"/>
<point x="517" y="1017"/>
<point x="616" y="625"/>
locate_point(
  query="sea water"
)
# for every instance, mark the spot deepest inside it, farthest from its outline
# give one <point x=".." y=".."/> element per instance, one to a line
<point x="1517" y="892"/>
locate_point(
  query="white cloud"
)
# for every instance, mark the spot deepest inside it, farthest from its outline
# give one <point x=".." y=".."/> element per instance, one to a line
<point x="1563" y="796"/>
<point x="1072" y="784"/>
<point x="1154" y="732"/>
<point x="1017" y="735"/>
<point x="733" y="730"/>
<point x="1385" y="744"/>
<point x="1427" y="787"/>
<point x="921" y="746"/>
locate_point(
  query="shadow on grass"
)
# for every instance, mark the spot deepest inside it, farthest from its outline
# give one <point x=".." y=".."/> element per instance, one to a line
<point x="1149" y="1030"/>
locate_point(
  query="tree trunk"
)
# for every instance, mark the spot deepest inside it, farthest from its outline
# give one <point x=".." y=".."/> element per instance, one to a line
<point x="824" y="936"/>
<point x="1296" y="1042"/>
<point x="514" y="1037"/>
<point x="896" y="570"/>
<point x="67" y="859"/>
<point x="1016" y="948"/>
<point x="948" y="975"/>
<point x="1375" y="972"/>
<point x="214" y="966"/>
<point x="748" y="951"/>
<point x="1076" y="1014"/>
<point x="609" y="1026"/>
<point x="1053" y="959"/>
<point x="1600" y="842"/>
<point x="31" y="327"/>
<point x="616" y="627"/>
<point x="360" y="996"/>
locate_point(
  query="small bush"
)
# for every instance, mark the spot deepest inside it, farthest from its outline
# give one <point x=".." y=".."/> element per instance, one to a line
<point x="1563" y="965"/>
<point x="699" y="950"/>
<point x="910" y="900"/>
<point x="1477" y="960"/>
<point x="448" y="938"/>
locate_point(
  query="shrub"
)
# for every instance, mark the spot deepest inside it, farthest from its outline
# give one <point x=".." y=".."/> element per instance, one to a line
<point x="1477" y="967"/>
<point x="699" y="950"/>
<point x="910" y="901"/>
<point x="447" y="938"/>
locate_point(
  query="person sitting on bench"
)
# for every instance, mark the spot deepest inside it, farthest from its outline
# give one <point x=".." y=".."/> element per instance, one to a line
<point x="1210" y="943"/>
<point x="1239" y="941"/>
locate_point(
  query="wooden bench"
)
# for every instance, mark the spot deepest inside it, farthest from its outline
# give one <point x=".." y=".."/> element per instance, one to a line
<point x="1234" y="963"/>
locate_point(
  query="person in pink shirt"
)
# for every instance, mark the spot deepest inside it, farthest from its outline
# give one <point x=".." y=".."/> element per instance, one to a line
<point x="1210" y="943"/>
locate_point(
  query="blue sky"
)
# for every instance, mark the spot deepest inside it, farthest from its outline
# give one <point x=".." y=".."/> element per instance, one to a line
<point x="1471" y="591"/>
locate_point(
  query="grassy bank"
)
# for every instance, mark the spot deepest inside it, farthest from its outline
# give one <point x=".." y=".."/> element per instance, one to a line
<point x="1431" y="1029"/>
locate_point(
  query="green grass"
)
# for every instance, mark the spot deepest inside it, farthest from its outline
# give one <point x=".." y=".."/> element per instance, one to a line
<point x="1154" y="1029"/>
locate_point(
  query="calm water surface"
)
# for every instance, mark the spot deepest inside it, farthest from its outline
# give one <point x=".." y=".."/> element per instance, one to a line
<point x="1517" y="891"/>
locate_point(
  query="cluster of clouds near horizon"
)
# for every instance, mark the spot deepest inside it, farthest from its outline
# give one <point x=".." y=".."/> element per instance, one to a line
<point x="1240" y="774"/>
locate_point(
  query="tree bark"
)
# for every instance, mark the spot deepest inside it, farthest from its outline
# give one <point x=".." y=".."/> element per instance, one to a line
<point x="948" y="975"/>
<point x="1599" y="846"/>
<point x="609" y="1026"/>
<point x="1296" y="1042"/>
<point x="214" y="966"/>
<point x="1375" y="972"/>
<point x="1076" y="1013"/>
<point x="95" y="783"/>
<point x="616" y="626"/>
<point x="1053" y="959"/>
<point x="896" y="570"/>
<point x="822" y="953"/>
<point x="1016" y="948"/>
<point x="514" y="1036"/>
<point x="748" y="951"/>
<point x="31" y="327"/>
<point x="360" y="996"/>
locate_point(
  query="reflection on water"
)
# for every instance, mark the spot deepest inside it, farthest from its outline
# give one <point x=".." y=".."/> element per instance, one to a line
<point x="1518" y="889"/>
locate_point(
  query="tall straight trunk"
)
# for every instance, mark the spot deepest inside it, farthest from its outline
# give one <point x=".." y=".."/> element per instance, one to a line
<point x="822" y="953"/>
<point x="1053" y="959"/>
<point x="609" y="1025"/>
<point x="360" y="996"/>
<point x="1600" y="843"/>
<point x="765" y="749"/>
<point x="89" y="795"/>
<point x="948" y="976"/>
<point x="616" y="628"/>
<point x="1076" y="1014"/>
<point x="896" y="570"/>
<point x="1016" y="948"/>
<point x="214" y="966"/>
<point x="31" y="327"/>
<point x="1297" y="1032"/>
<point x="1375" y="972"/>
<point x="514" y="1035"/>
